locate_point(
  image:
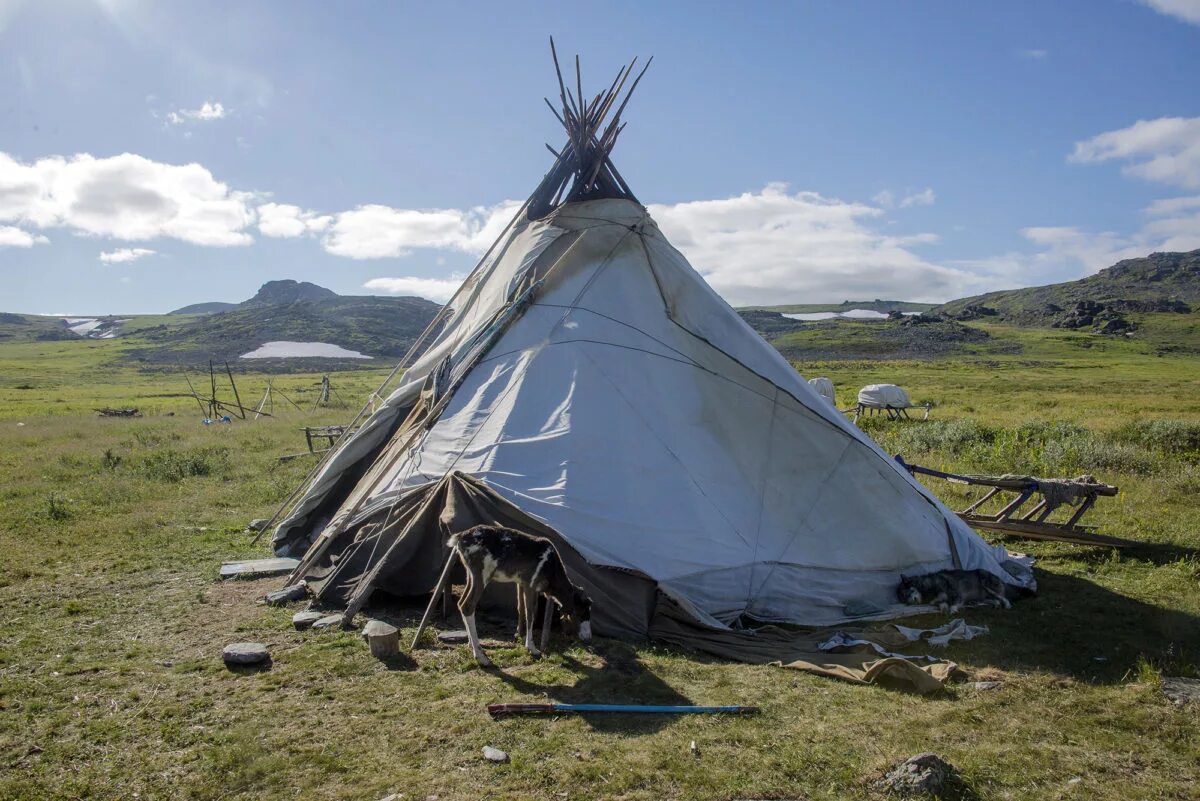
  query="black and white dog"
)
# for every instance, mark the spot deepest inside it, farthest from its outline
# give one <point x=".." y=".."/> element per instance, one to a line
<point x="496" y="553"/>
<point x="950" y="590"/>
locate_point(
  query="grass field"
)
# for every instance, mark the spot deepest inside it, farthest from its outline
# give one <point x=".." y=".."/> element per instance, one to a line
<point x="112" y="618"/>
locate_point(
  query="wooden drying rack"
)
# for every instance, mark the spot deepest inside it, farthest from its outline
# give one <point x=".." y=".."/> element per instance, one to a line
<point x="1034" y="523"/>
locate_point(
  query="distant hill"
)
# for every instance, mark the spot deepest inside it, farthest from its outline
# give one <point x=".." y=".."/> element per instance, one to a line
<point x="1160" y="282"/>
<point x="381" y="327"/>
<point x="883" y="306"/>
<point x="213" y="307"/>
<point x="276" y="293"/>
<point x="272" y="293"/>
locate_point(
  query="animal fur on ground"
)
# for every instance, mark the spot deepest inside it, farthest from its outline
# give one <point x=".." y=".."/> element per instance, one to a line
<point x="496" y="553"/>
<point x="950" y="590"/>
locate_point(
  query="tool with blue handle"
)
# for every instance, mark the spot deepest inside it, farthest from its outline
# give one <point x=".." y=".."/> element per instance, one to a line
<point x="500" y="710"/>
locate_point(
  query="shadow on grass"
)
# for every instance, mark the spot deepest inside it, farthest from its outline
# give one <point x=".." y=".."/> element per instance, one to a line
<point x="400" y="661"/>
<point x="247" y="670"/>
<point x="621" y="679"/>
<point x="1076" y="628"/>
<point x="1156" y="553"/>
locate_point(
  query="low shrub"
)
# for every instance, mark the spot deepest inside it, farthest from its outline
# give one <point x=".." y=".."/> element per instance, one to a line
<point x="1043" y="448"/>
<point x="172" y="466"/>
<point x="1175" y="437"/>
<point x="56" y="507"/>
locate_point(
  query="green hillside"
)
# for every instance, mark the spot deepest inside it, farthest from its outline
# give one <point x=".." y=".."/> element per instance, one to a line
<point x="377" y="326"/>
<point x="1160" y="282"/>
<point x="380" y="327"/>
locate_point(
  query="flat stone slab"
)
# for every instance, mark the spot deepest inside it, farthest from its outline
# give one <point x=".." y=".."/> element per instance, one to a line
<point x="295" y="592"/>
<point x="305" y="620"/>
<point x="1181" y="691"/>
<point x="245" y="653"/>
<point x="984" y="686"/>
<point x="258" y="524"/>
<point x="327" y="621"/>
<point x="258" y="568"/>
<point x="452" y="637"/>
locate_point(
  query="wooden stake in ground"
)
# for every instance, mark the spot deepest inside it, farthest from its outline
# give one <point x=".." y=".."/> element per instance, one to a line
<point x="383" y="639"/>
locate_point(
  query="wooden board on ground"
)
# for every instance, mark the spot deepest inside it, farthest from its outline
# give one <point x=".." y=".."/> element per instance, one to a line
<point x="258" y="568"/>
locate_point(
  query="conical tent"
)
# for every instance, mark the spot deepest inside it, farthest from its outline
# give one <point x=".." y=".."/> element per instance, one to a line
<point x="587" y="384"/>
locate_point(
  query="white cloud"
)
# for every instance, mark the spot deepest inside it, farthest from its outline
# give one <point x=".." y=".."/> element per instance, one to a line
<point x="887" y="199"/>
<point x="121" y="255"/>
<point x="284" y="221"/>
<point x="1166" y="150"/>
<point x="1034" y="54"/>
<point x="206" y="113"/>
<point x="12" y="237"/>
<point x="775" y="246"/>
<point x="125" y="197"/>
<point x="1174" y="226"/>
<point x="377" y="232"/>
<point x="925" y="197"/>
<point x="439" y="289"/>
<point x="1184" y="10"/>
<point x="1174" y="205"/>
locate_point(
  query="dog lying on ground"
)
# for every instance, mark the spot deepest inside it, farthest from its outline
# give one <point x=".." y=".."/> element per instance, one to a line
<point x="951" y="590"/>
<point x="496" y="553"/>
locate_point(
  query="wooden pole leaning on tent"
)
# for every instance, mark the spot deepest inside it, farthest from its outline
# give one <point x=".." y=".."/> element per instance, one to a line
<point x="433" y="599"/>
<point x="547" y="622"/>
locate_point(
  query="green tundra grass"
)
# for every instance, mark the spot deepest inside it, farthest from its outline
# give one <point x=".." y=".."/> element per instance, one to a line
<point x="112" y="618"/>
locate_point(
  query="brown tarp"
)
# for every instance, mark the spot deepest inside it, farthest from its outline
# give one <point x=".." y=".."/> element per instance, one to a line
<point x="797" y="648"/>
<point x="403" y="549"/>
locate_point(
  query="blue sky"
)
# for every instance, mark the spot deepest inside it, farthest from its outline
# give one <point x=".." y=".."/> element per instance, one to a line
<point x="154" y="154"/>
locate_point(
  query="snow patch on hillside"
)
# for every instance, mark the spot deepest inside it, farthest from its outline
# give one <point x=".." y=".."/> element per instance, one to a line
<point x="283" y="349"/>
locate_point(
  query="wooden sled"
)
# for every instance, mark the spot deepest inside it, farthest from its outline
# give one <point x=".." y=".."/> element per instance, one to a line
<point x="1034" y="523"/>
<point x="892" y="412"/>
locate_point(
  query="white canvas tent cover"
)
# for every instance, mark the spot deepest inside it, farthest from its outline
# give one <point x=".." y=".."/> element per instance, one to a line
<point x="824" y="387"/>
<point x="884" y="396"/>
<point x="622" y="403"/>
<point x="587" y="381"/>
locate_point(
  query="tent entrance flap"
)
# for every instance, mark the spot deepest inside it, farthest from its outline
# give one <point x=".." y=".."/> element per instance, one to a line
<point x="405" y="555"/>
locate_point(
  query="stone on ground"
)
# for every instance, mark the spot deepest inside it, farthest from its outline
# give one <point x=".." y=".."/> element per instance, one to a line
<point x="1181" y="691"/>
<point x="305" y="620"/>
<point x="245" y="653"/>
<point x="258" y="524"/>
<point x="494" y="754"/>
<point x="986" y="685"/>
<point x="294" y="592"/>
<point x="452" y="637"/>
<point x="327" y="621"/>
<point x="923" y="774"/>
